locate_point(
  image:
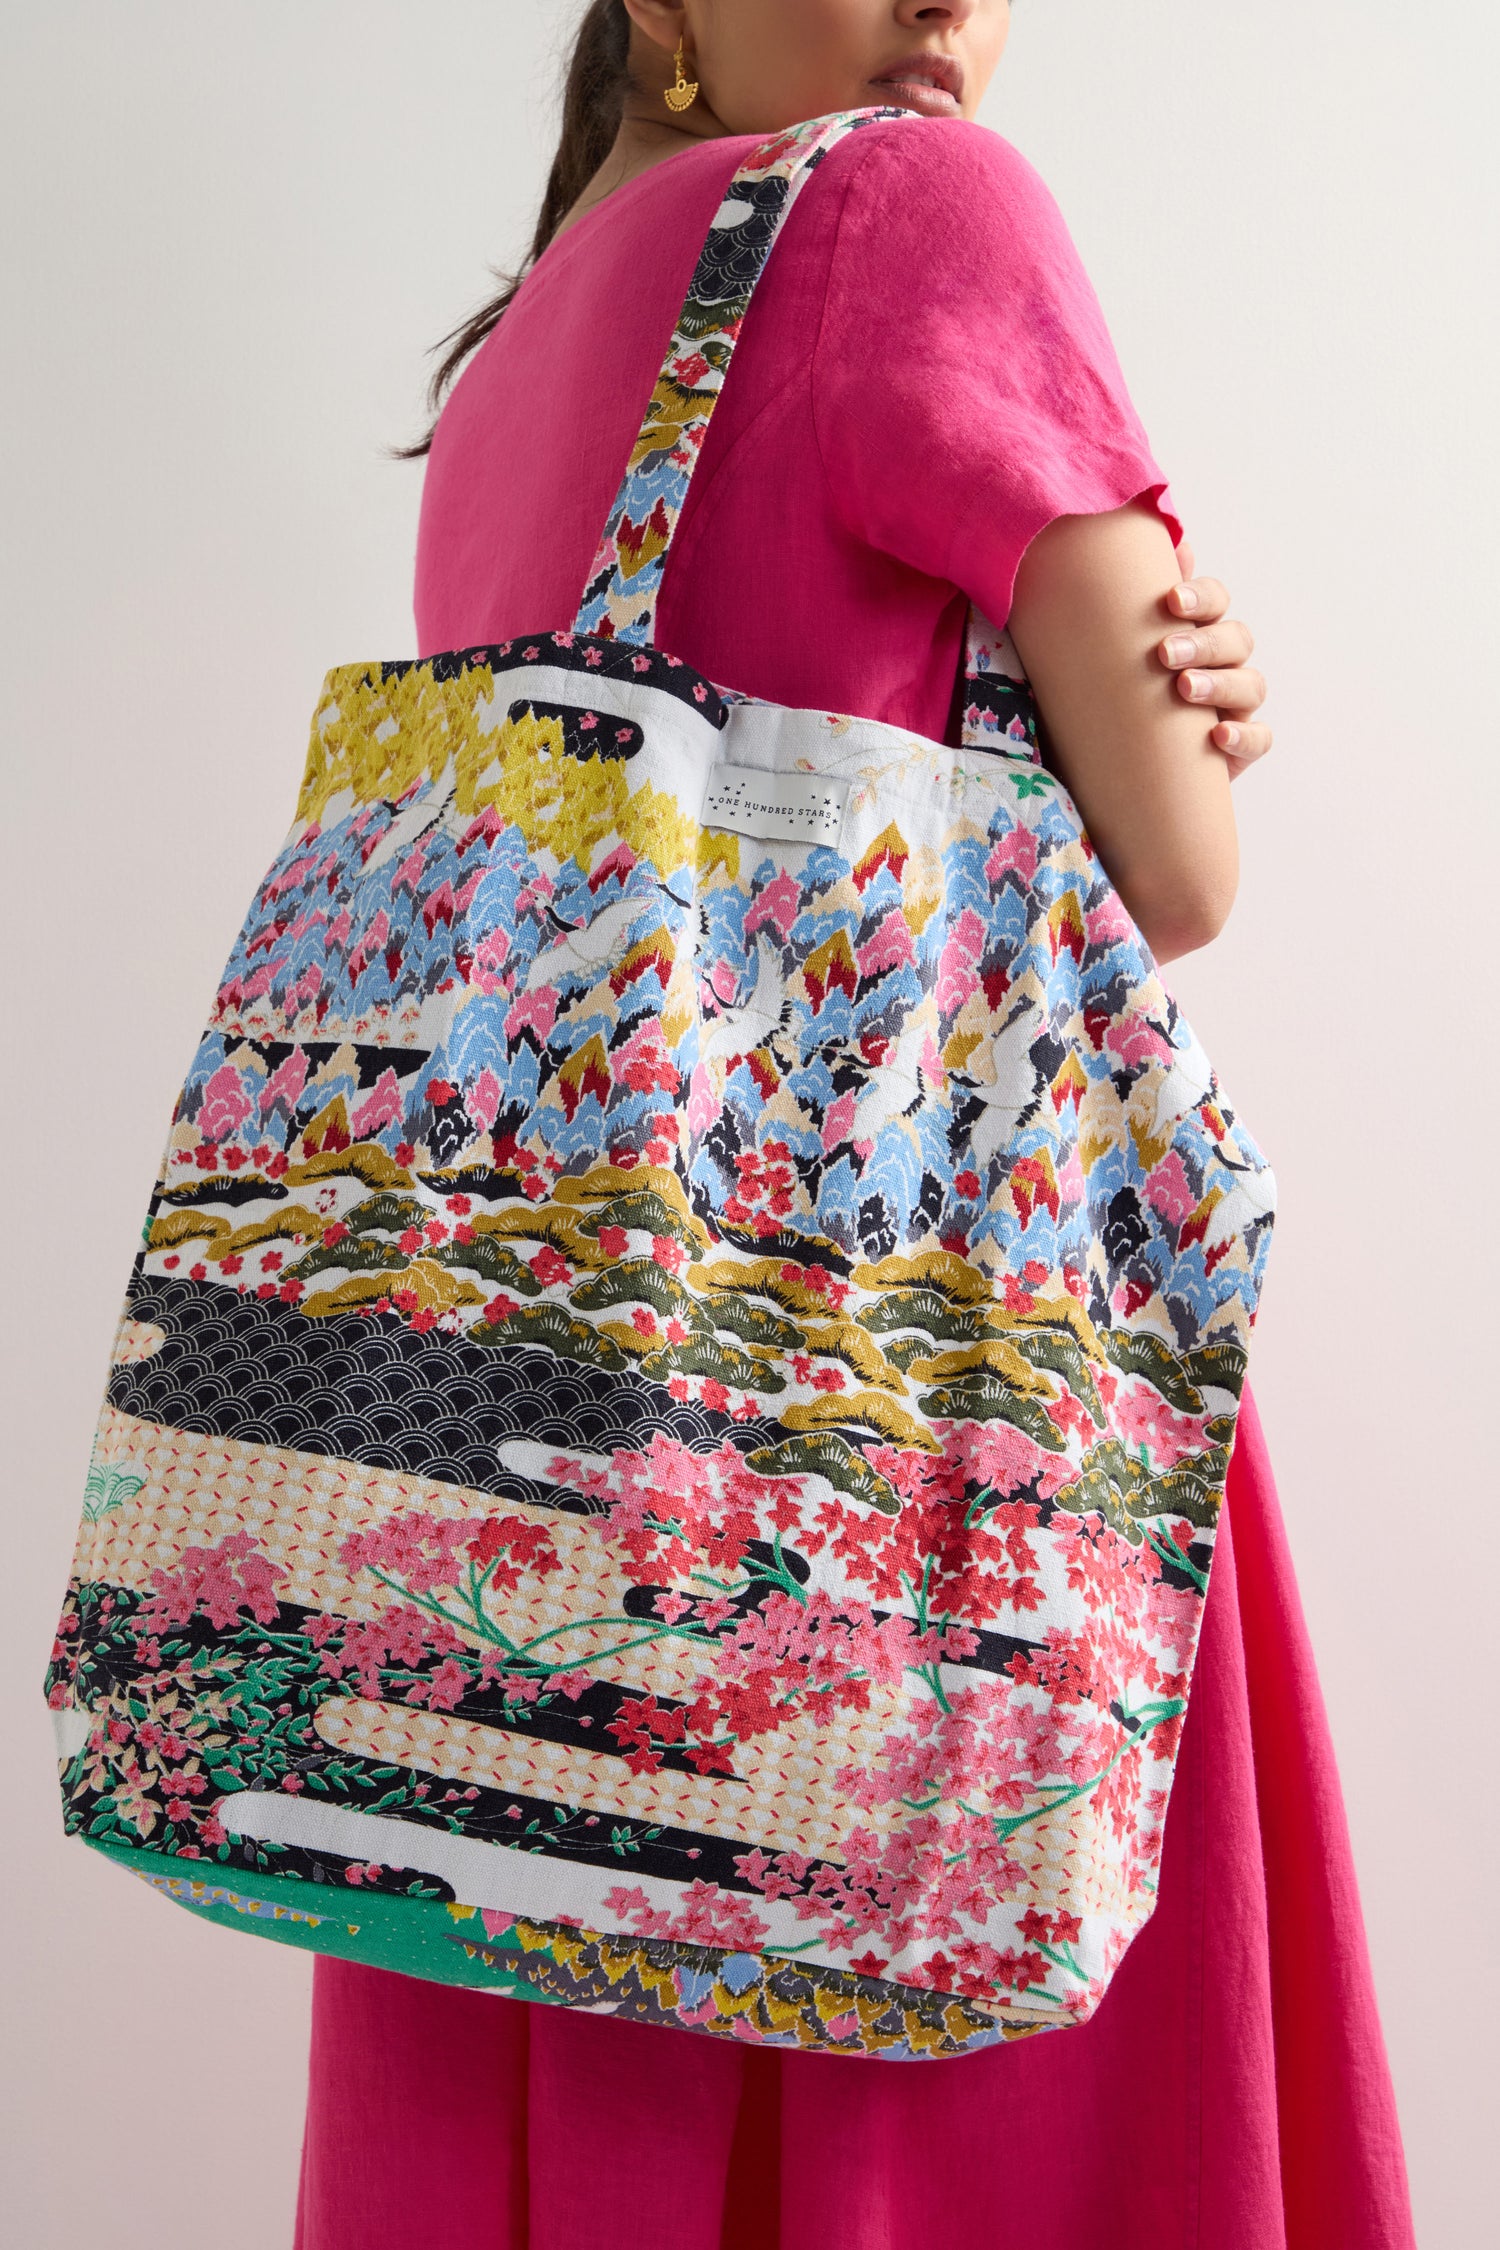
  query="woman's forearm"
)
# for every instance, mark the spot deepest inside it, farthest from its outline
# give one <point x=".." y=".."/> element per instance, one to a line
<point x="1138" y="760"/>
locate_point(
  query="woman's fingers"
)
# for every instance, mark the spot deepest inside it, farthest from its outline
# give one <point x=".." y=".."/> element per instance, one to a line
<point x="1209" y="661"/>
<point x="1218" y="647"/>
<point x="1239" y="689"/>
<point x="1204" y="600"/>
<point x="1241" y="744"/>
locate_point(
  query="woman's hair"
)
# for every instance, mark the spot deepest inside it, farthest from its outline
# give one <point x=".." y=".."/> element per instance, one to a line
<point x="594" y="93"/>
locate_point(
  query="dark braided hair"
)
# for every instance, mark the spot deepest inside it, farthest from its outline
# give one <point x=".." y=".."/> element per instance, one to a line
<point x="594" y="91"/>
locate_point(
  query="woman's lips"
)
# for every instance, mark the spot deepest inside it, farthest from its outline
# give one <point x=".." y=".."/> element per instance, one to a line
<point x="917" y="93"/>
<point x="928" y="82"/>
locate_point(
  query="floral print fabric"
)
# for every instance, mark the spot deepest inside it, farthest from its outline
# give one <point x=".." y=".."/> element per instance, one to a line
<point x="666" y="1436"/>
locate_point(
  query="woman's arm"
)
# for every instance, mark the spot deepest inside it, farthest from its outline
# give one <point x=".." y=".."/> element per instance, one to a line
<point x="1137" y="758"/>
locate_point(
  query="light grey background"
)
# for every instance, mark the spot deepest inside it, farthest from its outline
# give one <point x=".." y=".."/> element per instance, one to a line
<point x="231" y="231"/>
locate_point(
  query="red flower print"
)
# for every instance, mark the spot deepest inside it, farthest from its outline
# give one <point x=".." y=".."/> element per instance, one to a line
<point x="445" y="1690"/>
<point x="613" y="1241"/>
<point x="1018" y="1970"/>
<point x="711" y="1757"/>
<point x="550" y="1266"/>
<point x="217" y="1582"/>
<point x="528" y="1544"/>
<point x="641" y="1757"/>
<point x="425" y="1552"/>
<point x="643" y="1321"/>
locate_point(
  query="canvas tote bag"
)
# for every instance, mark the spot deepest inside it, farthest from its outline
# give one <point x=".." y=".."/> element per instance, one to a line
<point x="663" y="1448"/>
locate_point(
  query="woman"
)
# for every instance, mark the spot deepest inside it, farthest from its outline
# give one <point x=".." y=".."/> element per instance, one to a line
<point x="925" y="410"/>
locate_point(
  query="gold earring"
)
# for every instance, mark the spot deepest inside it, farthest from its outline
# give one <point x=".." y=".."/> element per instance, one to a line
<point x="682" y="95"/>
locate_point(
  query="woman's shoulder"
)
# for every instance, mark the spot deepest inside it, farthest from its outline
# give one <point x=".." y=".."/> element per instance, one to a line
<point x="952" y="175"/>
<point x="952" y="154"/>
<point x="947" y="243"/>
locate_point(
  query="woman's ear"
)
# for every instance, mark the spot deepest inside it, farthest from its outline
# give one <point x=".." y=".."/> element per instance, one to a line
<point x="663" y="22"/>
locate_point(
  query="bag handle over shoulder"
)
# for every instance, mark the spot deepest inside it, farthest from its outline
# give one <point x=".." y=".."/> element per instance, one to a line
<point x="625" y="578"/>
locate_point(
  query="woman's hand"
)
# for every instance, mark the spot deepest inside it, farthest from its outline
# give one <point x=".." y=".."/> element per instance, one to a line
<point x="1210" y="665"/>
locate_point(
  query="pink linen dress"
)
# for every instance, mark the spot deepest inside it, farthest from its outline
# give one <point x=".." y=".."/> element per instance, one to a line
<point x="924" y="382"/>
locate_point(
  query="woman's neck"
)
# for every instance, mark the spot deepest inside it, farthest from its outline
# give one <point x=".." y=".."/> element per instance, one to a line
<point x="643" y="142"/>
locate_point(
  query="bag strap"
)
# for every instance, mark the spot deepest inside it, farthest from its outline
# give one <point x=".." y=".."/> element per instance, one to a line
<point x="625" y="577"/>
<point x="624" y="580"/>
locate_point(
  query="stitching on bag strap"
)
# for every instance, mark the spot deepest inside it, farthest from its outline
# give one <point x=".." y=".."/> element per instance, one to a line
<point x="624" y="580"/>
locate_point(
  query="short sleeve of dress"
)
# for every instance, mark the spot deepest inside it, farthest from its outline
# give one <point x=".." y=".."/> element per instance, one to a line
<point x="965" y="389"/>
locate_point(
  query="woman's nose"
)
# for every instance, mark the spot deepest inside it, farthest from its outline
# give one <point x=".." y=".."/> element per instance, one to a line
<point x="936" y="14"/>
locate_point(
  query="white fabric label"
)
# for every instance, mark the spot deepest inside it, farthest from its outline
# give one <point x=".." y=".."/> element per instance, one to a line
<point x="801" y="808"/>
